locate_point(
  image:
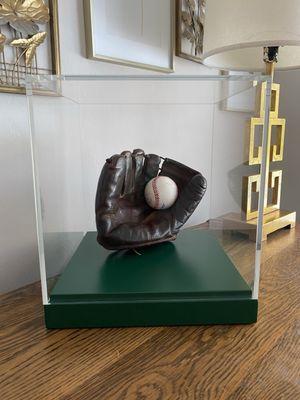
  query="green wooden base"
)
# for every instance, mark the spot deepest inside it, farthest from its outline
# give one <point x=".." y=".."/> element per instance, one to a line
<point x="187" y="282"/>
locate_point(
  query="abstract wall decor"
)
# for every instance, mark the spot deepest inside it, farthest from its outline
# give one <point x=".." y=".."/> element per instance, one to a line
<point x="190" y="29"/>
<point x="29" y="42"/>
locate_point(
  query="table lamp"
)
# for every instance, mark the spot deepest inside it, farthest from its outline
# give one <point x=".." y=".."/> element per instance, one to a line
<point x="250" y="36"/>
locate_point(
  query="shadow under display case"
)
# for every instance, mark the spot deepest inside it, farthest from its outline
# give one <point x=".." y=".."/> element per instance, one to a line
<point x="210" y="273"/>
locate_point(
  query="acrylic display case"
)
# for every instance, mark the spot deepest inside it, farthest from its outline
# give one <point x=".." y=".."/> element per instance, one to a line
<point x="210" y="274"/>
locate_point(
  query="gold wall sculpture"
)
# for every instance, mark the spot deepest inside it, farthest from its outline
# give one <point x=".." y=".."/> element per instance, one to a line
<point x="274" y="217"/>
<point x="29" y="42"/>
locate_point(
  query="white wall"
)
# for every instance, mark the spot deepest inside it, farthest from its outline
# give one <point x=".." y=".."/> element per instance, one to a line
<point x="18" y="250"/>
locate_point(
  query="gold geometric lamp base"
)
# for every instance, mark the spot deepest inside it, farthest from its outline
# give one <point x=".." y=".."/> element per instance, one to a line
<point x="274" y="218"/>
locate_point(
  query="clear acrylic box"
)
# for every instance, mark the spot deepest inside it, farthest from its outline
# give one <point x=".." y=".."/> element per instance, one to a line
<point x="210" y="274"/>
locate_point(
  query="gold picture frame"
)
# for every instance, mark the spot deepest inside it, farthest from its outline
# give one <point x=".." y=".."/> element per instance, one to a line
<point x="91" y="52"/>
<point x="53" y="40"/>
<point x="189" y="29"/>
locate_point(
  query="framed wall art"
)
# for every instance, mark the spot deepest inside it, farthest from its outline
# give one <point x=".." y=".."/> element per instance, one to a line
<point x="190" y="16"/>
<point x="136" y="33"/>
<point x="29" y="42"/>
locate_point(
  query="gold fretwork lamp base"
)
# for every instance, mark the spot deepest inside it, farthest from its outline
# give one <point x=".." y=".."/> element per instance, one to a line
<point x="272" y="222"/>
<point x="274" y="218"/>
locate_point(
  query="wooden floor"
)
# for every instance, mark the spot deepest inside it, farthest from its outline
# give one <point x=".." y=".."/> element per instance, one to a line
<point x="254" y="362"/>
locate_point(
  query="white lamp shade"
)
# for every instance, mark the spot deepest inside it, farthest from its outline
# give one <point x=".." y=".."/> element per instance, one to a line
<point x="236" y="31"/>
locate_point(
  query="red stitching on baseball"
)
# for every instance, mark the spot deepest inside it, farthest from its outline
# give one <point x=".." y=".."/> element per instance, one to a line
<point x="156" y="193"/>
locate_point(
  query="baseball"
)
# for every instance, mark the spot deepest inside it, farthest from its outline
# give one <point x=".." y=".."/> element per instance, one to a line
<point x="161" y="192"/>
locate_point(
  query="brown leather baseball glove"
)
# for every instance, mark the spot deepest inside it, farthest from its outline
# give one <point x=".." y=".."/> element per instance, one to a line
<point x="124" y="220"/>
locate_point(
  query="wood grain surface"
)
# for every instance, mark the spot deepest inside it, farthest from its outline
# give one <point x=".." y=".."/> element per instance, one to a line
<point x="251" y="362"/>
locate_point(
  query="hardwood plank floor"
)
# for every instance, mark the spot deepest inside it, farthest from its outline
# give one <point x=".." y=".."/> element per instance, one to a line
<point x="252" y="362"/>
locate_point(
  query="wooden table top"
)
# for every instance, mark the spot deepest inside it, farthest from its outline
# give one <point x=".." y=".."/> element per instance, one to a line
<point x="251" y="362"/>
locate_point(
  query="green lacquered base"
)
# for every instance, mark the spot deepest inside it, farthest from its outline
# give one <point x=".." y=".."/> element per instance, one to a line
<point x="187" y="282"/>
